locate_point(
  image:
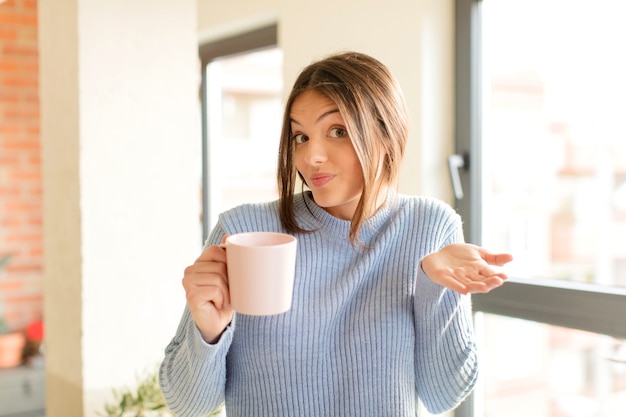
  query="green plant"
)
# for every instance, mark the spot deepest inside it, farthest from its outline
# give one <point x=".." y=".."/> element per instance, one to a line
<point x="147" y="398"/>
<point x="145" y="401"/>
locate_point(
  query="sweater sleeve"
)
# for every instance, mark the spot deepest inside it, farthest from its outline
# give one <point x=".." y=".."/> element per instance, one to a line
<point x="192" y="375"/>
<point x="446" y="356"/>
<point x="446" y="365"/>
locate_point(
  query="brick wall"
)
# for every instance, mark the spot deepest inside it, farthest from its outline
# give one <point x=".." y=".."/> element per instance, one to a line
<point x="21" y="283"/>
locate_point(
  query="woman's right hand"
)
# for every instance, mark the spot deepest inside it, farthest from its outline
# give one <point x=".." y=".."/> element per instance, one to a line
<point x="208" y="297"/>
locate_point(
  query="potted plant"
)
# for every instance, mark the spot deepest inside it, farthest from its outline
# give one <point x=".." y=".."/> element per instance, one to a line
<point x="146" y="400"/>
<point x="11" y="342"/>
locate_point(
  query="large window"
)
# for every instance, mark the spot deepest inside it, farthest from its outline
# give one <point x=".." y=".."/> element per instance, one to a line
<point x="242" y="87"/>
<point x="540" y="87"/>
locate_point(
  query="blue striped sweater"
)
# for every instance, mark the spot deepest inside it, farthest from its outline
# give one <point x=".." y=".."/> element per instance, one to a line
<point x="368" y="332"/>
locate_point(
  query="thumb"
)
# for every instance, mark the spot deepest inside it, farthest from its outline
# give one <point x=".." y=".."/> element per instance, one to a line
<point x="498" y="259"/>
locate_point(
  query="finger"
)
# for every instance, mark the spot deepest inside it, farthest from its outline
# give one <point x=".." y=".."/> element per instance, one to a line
<point x="204" y="270"/>
<point x="492" y="283"/>
<point x="217" y="294"/>
<point x="198" y="283"/>
<point x="478" y="287"/>
<point x="484" y="280"/>
<point x="486" y="285"/>
<point x="468" y="275"/>
<point x="503" y="258"/>
<point x="485" y="273"/>
<point x="200" y="297"/>
<point x="498" y="259"/>
<point x="212" y="253"/>
<point x="451" y="282"/>
<point x="221" y="297"/>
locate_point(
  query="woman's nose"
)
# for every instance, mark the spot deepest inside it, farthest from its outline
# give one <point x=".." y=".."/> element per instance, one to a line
<point x="316" y="152"/>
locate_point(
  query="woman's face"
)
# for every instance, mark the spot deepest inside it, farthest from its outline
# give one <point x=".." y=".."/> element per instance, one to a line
<point x="324" y="154"/>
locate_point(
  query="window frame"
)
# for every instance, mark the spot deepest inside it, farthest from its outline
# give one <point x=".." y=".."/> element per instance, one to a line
<point x="253" y="40"/>
<point x="589" y="307"/>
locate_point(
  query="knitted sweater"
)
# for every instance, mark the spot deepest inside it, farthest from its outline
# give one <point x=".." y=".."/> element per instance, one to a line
<point x="368" y="332"/>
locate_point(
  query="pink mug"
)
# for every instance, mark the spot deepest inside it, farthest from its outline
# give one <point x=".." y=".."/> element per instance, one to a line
<point x="261" y="268"/>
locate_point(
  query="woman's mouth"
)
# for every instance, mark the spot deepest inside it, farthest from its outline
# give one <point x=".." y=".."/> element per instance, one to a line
<point x="321" y="179"/>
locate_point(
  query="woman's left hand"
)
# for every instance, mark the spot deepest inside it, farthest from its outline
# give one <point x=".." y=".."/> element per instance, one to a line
<point x="466" y="268"/>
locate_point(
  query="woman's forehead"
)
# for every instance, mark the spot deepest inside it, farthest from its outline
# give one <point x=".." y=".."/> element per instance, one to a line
<point x="312" y="104"/>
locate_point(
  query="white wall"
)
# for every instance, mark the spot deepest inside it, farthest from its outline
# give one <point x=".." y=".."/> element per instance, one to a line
<point x="413" y="37"/>
<point x="121" y="167"/>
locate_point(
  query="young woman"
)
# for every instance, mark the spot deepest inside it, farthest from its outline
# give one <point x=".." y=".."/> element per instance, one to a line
<point x="381" y="314"/>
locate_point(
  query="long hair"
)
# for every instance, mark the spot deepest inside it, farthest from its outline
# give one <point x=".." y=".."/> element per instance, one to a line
<point x="372" y="105"/>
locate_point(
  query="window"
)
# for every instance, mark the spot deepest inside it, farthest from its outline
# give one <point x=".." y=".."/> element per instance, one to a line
<point x="539" y="86"/>
<point x="242" y="115"/>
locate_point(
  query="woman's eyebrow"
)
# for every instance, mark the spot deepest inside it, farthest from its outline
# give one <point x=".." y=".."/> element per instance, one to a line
<point x="323" y="115"/>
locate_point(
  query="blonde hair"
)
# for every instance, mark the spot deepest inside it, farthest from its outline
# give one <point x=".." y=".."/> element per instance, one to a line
<point x="373" y="108"/>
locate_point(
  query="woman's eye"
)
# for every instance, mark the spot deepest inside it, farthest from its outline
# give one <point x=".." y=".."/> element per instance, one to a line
<point x="338" y="132"/>
<point x="300" y="138"/>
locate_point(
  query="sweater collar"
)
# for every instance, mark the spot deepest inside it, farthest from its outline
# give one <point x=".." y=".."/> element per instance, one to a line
<point x="310" y="216"/>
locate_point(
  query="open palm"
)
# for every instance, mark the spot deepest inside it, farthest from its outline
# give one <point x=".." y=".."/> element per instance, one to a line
<point x="466" y="268"/>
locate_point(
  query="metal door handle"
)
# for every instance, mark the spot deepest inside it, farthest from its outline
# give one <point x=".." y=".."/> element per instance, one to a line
<point x="457" y="162"/>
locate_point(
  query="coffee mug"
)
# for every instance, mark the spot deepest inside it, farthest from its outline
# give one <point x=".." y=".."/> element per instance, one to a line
<point x="261" y="268"/>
